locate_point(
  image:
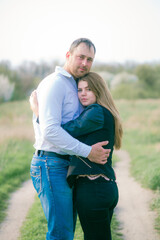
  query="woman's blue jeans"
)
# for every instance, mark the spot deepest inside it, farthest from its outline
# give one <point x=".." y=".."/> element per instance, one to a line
<point x="48" y="175"/>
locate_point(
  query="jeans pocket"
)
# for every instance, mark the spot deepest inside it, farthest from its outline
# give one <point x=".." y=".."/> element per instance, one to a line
<point x="36" y="177"/>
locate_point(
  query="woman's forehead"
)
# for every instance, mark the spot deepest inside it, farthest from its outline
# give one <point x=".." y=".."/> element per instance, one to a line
<point x="82" y="83"/>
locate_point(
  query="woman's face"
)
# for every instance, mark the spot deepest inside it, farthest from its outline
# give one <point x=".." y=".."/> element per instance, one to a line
<point x="85" y="95"/>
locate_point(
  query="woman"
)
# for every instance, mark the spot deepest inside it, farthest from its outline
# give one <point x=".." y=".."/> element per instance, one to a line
<point x="95" y="189"/>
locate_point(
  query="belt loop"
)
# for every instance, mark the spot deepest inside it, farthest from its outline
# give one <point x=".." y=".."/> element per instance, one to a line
<point x="36" y="152"/>
<point x="41" y="153"/>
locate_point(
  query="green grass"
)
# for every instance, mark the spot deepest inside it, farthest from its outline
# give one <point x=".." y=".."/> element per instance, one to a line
<point x="35" y="225"/>
<point x="14" y="168"/>
<point x="16" y="149"/>
<point x="12" y="111"/>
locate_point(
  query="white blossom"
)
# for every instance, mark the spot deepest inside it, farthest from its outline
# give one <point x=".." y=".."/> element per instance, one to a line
<point x="6" y="88"/>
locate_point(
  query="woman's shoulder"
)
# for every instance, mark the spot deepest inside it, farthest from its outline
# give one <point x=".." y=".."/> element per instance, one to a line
<point x="99" y="108"/>
<point x="98" y="111"/>
<point x="94" y="113"/>
<point x="94" y="106"/>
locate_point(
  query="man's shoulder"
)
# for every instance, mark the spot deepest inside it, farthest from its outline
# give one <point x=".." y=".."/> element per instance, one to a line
<point x="51" y="79"/>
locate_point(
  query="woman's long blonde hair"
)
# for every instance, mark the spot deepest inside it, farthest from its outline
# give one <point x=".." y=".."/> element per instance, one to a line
<point x="104" y="98"/>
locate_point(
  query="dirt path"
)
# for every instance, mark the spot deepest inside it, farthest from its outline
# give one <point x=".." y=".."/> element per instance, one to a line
<point x="20" y="203"/>
<point x="137" y="220"/>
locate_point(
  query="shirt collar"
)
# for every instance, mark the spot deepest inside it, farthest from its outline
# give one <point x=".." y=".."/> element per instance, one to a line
<point x="63" y="72"/>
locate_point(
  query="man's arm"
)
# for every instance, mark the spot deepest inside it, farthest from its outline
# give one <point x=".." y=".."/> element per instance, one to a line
<point x="96" y="153"/>
<point x="89" y="121"/>
<point x="51" y="95"/>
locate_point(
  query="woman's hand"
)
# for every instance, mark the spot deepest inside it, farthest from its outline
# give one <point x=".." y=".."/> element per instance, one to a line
<point x="34" y="103"/>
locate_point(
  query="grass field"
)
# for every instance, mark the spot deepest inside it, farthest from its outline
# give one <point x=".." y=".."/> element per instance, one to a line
<point x="141" y="120"/>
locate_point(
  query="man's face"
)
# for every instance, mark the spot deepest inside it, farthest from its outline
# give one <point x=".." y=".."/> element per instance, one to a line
<point x="80" y="61"/>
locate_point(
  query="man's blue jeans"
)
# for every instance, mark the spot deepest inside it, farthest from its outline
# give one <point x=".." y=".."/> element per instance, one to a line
<point x="48" y="175"/>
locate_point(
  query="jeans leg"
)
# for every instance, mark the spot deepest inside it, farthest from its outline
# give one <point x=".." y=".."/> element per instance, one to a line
<point x="74" y="209"/>
<point x="56" y="197"/>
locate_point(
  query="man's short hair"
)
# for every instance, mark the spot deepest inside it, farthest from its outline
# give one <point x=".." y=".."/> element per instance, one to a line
<point x="82" y="40"/>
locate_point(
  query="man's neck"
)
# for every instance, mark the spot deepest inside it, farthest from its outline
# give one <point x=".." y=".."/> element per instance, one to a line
<point x="66" y="68"/>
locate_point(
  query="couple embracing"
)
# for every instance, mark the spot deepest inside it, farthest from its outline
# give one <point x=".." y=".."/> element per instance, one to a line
<point x="77" y="126"/>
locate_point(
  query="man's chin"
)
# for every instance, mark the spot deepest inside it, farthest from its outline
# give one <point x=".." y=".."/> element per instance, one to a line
<point x="81" y="74"/>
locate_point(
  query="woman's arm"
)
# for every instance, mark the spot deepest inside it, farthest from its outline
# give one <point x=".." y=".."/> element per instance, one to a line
<point x="90" y="120"/>
<point x="34" y="103"/>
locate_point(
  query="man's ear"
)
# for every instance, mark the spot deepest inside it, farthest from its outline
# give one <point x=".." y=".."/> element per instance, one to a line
<point x="68" y="54"/>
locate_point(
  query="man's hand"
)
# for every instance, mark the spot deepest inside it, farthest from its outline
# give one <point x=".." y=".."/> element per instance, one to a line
<point x="98" y="154"/>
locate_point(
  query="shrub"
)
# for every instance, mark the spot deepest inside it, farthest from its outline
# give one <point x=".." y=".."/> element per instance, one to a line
<point x="6" y="88"/>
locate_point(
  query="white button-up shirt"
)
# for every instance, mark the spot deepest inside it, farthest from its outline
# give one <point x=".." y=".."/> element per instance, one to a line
<point x="58" y="104"/>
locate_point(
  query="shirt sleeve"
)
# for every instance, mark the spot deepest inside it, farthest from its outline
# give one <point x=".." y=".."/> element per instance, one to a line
<point x="50" y="98"/>
<point x="90" y="120"/>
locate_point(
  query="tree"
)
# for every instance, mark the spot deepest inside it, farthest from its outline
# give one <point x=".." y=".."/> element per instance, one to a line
<point x="147" y="75"/>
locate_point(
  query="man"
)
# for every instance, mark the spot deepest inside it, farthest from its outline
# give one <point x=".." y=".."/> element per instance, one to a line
<point x="58" y="104"/>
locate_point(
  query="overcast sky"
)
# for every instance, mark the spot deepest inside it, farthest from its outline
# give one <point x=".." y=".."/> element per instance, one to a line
<point x="122" y="30"/>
